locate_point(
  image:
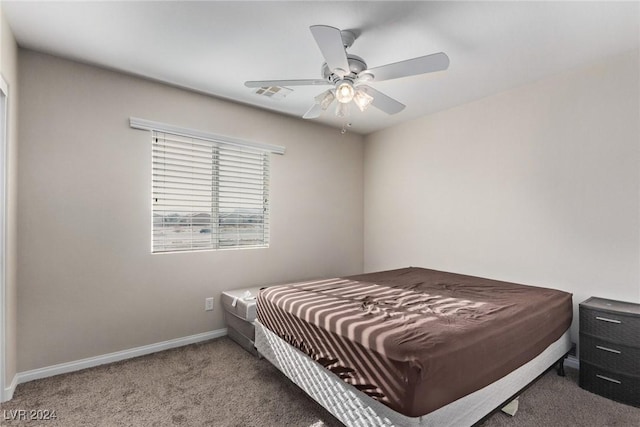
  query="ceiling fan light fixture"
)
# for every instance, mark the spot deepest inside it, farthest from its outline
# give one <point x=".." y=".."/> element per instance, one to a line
<point x="345" y="92"/>
<point x="362" y="99"/>
<point x="325" y="99"/>
<point x="342" y="109"/>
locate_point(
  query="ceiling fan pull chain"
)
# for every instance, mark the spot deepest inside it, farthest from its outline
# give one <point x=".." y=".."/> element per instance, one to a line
<point x="345" y="125"/>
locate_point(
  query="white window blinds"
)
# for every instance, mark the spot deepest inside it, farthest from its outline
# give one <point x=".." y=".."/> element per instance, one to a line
<point x="208" y="194"/>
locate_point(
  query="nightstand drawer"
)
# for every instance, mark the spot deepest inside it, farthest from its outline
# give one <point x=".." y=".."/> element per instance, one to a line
<point x="613" y="327"/>
<point x="619" y="387"/>
<point x="614" y="356"/>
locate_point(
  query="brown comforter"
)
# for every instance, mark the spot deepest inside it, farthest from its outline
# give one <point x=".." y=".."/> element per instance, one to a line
<point x="416" y="339"/>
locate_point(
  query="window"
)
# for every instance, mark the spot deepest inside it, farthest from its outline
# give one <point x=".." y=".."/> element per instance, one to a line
<point x="208" y="194"/>
<point x="208" y="191"/>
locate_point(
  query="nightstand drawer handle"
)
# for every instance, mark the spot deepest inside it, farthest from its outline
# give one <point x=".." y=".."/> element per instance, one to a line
<point x="599" y="347"/>
<point x="604" y="319"/>
<point x="602" y="377"/>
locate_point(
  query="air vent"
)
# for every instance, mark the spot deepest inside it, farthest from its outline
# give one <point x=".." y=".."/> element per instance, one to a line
<point x="274" y="92"/>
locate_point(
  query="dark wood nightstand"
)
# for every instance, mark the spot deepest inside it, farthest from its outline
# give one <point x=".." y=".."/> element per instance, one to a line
<point x="610" y="349"/>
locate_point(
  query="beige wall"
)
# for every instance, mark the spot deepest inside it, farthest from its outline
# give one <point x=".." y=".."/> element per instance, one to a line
<point x="88" y="283"/>
<point x="538" y="185"/>
<point x="9" y="70"/>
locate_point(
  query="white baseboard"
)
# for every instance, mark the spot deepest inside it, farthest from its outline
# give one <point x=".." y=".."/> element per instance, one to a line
<point x="8" y="391"/>
<point x="572" y="362"/>
<point x="63" y="368"/>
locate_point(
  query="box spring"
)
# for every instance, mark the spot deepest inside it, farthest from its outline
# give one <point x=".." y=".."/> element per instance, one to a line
<point x="354" y="408"/>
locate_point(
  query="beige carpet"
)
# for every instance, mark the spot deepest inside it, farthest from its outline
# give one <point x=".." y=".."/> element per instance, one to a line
<point x="217" y="383"/>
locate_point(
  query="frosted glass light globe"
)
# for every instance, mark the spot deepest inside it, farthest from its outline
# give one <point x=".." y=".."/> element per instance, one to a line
<point x="345" y="92"/>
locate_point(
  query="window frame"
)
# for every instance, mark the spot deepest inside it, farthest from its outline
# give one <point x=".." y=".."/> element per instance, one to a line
<point x="219" y="144"/>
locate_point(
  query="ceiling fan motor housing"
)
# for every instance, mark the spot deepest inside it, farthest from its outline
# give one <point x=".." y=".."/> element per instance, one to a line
<point x="356" y="66"/>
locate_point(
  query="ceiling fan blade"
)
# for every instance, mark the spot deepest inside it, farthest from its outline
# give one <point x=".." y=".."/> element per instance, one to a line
<point x="268" y="83"/>
<point x="411" y="67"/>
<point x="313" y="112"/>
<point x="329" y="41"/>
<point x="381" y="101"/>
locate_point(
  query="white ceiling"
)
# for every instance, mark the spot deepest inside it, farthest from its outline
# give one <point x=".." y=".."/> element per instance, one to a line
<point x="213" y="47"/>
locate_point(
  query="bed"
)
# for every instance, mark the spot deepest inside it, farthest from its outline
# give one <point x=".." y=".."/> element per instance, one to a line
<point x="412" y="346"/>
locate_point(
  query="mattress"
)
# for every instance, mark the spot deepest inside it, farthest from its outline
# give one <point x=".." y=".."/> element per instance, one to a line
<point x="416" y="339"/>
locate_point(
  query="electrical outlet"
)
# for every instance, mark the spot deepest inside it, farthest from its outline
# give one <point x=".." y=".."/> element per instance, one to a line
<point x="208" y="304"/>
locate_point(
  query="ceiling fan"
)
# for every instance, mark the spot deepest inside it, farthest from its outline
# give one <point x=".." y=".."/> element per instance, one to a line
<point x="349" y="75"/>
